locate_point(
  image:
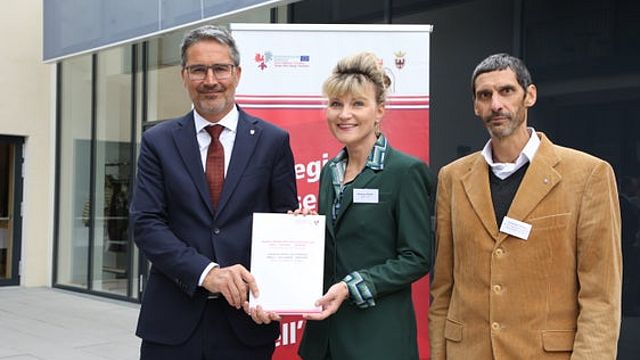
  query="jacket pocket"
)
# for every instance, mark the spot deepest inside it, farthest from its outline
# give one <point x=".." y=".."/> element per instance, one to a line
<point x="558" y="340"/>
<point x="550" y="221"/>
<point x="453" y="330"/>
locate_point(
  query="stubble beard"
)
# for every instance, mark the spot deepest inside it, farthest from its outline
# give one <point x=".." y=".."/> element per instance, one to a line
<point x="218" y="107"/>
<point x="212" y="107"/>
<point x="507" y="129"/>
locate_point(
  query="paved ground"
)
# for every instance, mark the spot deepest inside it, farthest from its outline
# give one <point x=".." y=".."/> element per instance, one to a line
<point x="52" y="324"/>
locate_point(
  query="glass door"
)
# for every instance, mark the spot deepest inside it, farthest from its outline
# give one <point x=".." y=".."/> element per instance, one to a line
<point x="10" y="204"/>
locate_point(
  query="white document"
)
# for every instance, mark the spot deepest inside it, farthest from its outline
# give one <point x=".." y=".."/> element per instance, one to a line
<point x="287" y="261"/>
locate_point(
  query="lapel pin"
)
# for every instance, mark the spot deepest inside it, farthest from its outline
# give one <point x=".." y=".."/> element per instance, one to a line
<point x="252" y="131"/>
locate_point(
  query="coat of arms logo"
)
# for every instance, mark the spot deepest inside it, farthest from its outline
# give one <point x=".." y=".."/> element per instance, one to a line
<point x="400" y="60"/>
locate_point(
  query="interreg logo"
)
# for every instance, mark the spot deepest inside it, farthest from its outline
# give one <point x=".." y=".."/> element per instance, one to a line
<point x="400" y="60"/>
<point x="267" y="59"/>
<point x="263" y="58"/>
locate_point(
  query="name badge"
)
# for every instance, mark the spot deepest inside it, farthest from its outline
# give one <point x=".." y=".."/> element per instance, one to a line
<point x="515" y="228"/>
<point x="365" y="196"/>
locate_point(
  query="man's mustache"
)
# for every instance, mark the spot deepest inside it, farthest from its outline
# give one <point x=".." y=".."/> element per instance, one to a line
<point x="500" y="114"/>
<point x="208" y="88"/>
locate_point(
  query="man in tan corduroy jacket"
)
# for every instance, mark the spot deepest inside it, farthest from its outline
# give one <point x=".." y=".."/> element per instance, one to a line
<point x="528" y="262"/>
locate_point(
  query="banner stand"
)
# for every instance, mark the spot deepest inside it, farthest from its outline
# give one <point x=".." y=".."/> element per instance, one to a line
<point x="283" y="68"/>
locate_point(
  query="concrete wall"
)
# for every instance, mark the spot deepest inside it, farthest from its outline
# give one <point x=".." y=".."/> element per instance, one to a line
<point x="26" y="109"/>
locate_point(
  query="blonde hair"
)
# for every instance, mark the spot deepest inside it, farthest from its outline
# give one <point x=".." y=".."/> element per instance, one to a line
<point x="351" y="75"/>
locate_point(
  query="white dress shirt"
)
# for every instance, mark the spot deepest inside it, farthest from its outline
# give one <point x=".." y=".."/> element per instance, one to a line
<point x="227" y="139"/>
<point x="227" y="136"/>
<point x="504" y="170"/>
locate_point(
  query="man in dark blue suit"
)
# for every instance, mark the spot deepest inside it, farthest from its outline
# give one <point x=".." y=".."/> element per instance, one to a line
<point x="196" y="234"/>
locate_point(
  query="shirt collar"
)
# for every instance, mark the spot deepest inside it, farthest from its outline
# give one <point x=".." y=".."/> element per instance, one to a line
<point x="229" y="121"/>
<point x="375" y="161"/>
<point x="503" y="170"/>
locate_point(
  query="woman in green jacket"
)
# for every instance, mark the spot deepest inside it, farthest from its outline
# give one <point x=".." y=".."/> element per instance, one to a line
<point x="378" y="237"/>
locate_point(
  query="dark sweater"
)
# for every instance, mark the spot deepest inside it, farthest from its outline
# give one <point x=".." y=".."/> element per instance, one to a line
<point x="503" y="191"/>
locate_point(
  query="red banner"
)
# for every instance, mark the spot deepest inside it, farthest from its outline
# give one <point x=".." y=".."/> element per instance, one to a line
<point x="406" y="126"/>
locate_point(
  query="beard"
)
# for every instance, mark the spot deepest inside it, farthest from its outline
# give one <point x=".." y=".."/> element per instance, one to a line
<point x="506" y="128"/>
<point x="216" y="106"/>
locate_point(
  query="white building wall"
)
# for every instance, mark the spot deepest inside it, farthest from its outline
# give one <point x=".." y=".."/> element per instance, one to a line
<point x="27" y="91"/>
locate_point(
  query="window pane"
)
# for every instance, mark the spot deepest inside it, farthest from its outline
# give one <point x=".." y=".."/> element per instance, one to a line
<point x="167" y="97"/>
<point x="75" y="149"/>
<point x="112" y="171"/>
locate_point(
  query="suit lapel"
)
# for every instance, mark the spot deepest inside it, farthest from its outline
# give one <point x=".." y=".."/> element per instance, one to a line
<point x="476" y="186"/>
<point x="327" y="192"/>
<point x="247" y="136"/>
<point x="360" y="182"/>
<point x="184" y="136"/>
<point x="539" y="180"/>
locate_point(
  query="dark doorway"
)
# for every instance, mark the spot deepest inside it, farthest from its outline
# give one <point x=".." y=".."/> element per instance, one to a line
<point x="10" y="208"/>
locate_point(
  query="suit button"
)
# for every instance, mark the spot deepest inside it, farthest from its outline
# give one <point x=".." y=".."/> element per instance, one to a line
<point x="495" y="326"/>
<point x="216" y="231"/>
<point x="497" y="289"/>
<point x="499" y="252"/>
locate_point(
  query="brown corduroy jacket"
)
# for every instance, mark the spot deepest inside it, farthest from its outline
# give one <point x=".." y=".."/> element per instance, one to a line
<point x="555" y="295"/>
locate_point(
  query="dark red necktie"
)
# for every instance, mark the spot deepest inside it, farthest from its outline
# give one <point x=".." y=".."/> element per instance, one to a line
<point x="215" y="164"/>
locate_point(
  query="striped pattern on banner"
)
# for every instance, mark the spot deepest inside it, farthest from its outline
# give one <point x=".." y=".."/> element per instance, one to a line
<point x="319" y="102"/>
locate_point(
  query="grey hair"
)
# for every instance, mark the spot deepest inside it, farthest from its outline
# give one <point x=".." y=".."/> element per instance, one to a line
<point x="501" y="62"/>
<point x="215" y="33"/>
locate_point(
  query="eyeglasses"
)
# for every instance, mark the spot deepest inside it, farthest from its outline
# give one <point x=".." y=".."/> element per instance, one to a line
<point x="199" y="72"/>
